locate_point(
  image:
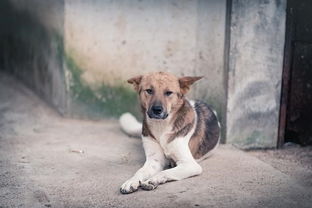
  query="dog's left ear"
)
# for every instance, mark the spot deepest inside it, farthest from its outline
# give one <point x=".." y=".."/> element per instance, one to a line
<point x="135" y="81"/>
<point x="186" y="82"/>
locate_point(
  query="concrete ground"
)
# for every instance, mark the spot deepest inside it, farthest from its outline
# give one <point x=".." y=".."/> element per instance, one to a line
<point x="50" y="161"/>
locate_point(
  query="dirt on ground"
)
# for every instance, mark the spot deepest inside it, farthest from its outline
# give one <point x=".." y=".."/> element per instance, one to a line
<point x="50" y="161"/>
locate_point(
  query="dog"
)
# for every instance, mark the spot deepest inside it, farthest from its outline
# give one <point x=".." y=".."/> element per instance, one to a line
<point x="175" y="131"/>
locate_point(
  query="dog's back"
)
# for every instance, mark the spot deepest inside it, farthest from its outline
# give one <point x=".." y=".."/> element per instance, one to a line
<point x="207" y="133"/>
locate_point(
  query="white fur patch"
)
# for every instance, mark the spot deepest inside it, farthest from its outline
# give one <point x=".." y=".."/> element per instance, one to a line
<point x="192" y="103"/>
<point x="159" y="127"/>
<point x="215" y="112"/>
<point x="130" y="125"/>
<point x="155" y="162"/>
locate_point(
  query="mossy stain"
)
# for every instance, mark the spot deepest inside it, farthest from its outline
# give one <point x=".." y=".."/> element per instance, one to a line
<point x="105" y="101"/>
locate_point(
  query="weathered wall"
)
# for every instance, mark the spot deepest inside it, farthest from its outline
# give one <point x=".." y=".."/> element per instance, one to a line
<point x="106" y="42"/>
<point x="31" y="46"/>
<point x="255" y="70"/>
<point x="115" y="40"/>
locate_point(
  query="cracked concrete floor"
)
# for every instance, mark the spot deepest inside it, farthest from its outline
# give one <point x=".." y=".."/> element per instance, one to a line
<point x="50" y="161"/>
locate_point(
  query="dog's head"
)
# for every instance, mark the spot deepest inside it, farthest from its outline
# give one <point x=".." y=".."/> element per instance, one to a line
<point x="161" y="93"/>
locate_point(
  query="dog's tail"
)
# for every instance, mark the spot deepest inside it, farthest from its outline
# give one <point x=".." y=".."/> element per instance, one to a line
<point x="130" y="125"/>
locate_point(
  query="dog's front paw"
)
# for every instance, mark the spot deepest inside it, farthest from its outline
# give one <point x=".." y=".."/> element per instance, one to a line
<point x="149" y="185"/>
<point x="154" y="181"/>
<point x="130" y="186"/>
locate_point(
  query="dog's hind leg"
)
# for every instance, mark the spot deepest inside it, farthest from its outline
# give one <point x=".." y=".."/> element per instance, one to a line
<point x="186" y="166"/>
<point x="155" y="162"/>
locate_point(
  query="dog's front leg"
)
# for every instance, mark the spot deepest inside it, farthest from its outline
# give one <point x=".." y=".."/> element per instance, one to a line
<point x="186" y="166"/>
<point x="155" y="162"/>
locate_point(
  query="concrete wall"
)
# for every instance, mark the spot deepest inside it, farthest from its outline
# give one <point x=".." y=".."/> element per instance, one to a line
<point x="105" y="43"/>
<point x="115" y="40"/>
<point x="77" y="54"/>
<point x="83" y="72"/>
<point x="31" y="46"/>
<point x="255" y="70"/>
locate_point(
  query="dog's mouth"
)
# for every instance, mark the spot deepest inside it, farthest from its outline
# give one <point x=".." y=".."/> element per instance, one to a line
<point x="161" y="116"/>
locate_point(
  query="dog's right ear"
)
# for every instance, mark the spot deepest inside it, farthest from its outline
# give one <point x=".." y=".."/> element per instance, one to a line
<point x="135" y="81"/>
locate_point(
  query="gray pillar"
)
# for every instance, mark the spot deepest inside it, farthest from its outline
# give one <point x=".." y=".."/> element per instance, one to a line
<point x="255" y="72"/>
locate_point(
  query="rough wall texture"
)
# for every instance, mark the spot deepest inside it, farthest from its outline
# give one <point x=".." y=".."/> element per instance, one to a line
<point x="31" y="46"/>
<point x="114" y="40"/>
<point x="256" y="55"/>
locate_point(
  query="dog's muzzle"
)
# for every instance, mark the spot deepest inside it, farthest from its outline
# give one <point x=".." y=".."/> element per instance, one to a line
<point x="157" y="112"/>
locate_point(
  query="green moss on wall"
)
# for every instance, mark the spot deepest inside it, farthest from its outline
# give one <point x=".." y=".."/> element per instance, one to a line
<point x="105" y="101"/>
<point x="254" y="140"/>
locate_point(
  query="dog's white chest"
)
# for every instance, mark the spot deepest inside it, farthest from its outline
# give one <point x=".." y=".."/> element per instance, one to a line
<point x="168" y="151"/>
<point x="158" y="129"/>
<point x="178" y="148"/>
<point x="161" y="131"/>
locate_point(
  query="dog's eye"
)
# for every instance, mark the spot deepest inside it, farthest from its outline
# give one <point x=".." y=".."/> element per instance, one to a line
<point x="168" y="93"/>
<point x="149" y="91"/>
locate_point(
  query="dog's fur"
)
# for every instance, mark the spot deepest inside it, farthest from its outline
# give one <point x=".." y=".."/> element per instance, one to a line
<point x="175" y="131"/>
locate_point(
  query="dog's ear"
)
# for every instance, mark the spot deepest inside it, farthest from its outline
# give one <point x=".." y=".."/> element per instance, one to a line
<point x="186" y="82"/>
<point x="135" y="81"/>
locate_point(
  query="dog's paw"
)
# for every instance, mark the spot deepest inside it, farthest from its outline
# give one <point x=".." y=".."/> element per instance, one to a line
<point x="154" y="181"/>
<point x="149" y="185"/>
<point x="130" y="186"/>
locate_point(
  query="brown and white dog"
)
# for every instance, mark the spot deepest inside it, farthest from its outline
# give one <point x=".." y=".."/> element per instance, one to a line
<point x="175" y="131"/>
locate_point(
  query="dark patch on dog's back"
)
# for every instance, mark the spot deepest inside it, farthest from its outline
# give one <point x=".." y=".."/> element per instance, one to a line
<point x="207" y="131"/>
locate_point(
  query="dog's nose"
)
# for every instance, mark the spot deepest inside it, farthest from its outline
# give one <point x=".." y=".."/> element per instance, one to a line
<point x="157" y="109"/>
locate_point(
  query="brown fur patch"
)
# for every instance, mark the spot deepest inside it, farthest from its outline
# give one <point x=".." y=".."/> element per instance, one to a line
<point x="160" y="83"/>
<point x="186" y="82"/>
<point x="135" y="81"/>
<point x="183" y="121"/>
<point x="145" y="130"/>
